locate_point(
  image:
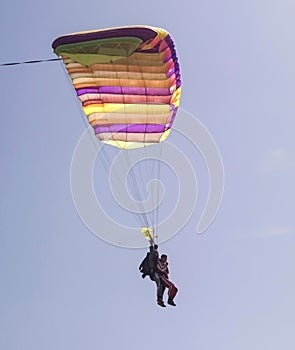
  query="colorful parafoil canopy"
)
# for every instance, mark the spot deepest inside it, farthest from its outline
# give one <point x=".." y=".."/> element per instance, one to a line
<point x="128" y="81"/>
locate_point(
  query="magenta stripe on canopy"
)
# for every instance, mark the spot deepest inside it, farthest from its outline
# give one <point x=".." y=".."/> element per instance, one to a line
<point x="125" y="90"/>
<point x="131" y="128"/>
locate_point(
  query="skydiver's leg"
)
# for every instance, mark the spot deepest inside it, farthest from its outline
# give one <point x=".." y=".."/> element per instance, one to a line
<point x="172" y="290"/>
<point x="160" y="293"/>
<point x="160" y="289"/>
<point x="156" y="278"/>
<point x="171" y="294"/>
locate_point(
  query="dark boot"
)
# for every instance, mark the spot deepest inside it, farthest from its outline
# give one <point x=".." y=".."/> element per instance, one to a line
<point x="161" y="303"/>
<point x="171" y="302"/>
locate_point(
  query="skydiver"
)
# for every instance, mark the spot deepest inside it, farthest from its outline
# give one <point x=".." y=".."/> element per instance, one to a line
<point x="148" y="265"/>
<point x="155" y="276"/>
<point x="153" y="260"/>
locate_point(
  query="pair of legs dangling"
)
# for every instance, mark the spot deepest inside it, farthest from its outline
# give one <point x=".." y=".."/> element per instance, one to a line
<point x="163" y="283"/>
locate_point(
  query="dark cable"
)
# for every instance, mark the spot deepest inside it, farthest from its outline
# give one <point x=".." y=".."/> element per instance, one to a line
<point x="29" y="62"/>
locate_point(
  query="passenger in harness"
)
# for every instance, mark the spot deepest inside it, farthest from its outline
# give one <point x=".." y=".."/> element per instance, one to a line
<point x="163" y="272"/>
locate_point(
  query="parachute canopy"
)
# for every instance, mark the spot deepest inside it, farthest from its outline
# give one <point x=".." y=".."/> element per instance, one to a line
<point x="128" y="81"/>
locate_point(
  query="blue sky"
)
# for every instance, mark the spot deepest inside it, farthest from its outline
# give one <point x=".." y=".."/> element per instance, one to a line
<point x="61" y="287"/>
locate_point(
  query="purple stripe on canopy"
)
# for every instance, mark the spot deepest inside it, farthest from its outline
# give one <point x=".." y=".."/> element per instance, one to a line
<point x="131" y="128"/>
<point x="125" y="90"/>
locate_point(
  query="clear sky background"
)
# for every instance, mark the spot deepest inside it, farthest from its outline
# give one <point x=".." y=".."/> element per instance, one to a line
<point x="60" y="286"/>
